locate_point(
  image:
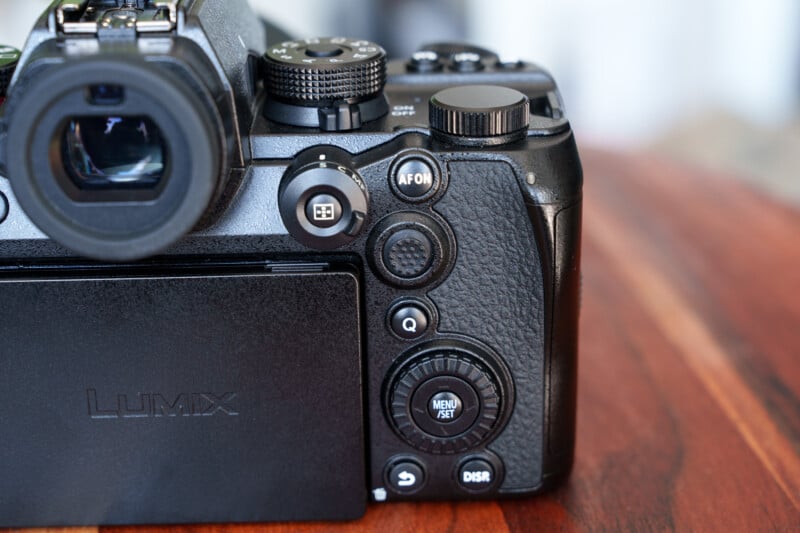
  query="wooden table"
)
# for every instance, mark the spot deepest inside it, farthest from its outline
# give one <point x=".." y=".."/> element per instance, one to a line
<point x="689" y="395"/>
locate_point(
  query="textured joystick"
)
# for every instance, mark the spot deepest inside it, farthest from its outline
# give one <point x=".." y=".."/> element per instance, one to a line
<point x="335" y="84"/>
<point x="445" y="402"/>
<point x="410" y="249"/>
<point x="479" y="115"/>
<point x="323" y="204"/>
<point x="408" y="253"/>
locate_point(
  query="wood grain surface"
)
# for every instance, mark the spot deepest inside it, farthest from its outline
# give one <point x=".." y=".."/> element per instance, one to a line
<point x="689" y="394"/>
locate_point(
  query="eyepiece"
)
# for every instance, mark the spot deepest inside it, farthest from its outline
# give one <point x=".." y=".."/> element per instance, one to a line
<point x="114" y="153"/>
<point x="115" y="172"/>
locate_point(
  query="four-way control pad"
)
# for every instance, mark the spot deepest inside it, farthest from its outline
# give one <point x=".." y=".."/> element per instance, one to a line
<point x="448" y="400"/>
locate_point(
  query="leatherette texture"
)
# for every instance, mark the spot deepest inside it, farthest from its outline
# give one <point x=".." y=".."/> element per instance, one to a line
<point x="495" y="294"/>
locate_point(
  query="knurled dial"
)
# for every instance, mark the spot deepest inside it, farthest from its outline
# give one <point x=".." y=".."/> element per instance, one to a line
<point x="479" y="111"/>
<point x="313" y="71"/>
<point x="445" y="403"/>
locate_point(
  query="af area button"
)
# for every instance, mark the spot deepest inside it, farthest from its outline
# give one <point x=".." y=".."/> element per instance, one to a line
<point x="409" y="321"/>
<point x="324" y="211"/>
<point x="405" y="477"/>
<point x="415" y="178"/>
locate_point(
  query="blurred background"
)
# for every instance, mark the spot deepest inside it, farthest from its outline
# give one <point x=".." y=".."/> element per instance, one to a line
<point x="709" y="82"/>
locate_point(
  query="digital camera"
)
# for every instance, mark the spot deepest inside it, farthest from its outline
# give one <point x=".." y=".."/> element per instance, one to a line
<point x="243" y="283"/>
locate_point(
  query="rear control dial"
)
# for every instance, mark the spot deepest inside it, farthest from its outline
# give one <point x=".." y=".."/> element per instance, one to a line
<point x="479" y="114"/>
<point x="446" y="402"/>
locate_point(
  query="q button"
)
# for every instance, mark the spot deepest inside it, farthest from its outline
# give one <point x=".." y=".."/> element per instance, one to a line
<point x="409" y="321"/>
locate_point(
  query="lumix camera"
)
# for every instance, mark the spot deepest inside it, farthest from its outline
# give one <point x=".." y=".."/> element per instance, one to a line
<point x="242" y="282"/>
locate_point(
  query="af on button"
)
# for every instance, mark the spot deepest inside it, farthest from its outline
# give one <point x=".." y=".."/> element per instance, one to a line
<point x="415" y="178"/>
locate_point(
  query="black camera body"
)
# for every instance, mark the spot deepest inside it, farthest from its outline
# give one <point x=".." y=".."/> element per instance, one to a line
<point x="244" y="283"/>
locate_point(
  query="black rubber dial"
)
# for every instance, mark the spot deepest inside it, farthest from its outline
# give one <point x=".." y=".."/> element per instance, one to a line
<point x="479" y="111"/>
<point x="475" y="406"/>
<point x="312" y="71"/>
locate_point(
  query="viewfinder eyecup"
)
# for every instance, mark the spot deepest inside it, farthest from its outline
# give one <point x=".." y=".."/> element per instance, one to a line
<point x="115" y="158"/>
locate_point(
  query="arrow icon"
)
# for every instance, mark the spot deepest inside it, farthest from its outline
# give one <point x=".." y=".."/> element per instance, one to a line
<point x="407" y="479"/>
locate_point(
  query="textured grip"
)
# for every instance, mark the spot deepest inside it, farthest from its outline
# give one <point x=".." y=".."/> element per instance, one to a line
<point x="496" y="293"/>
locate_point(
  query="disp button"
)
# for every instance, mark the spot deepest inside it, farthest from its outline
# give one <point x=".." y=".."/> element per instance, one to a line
<point x="476" y="475"/>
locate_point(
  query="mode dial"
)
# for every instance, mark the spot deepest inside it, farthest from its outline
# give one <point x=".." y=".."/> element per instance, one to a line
<point x="313" y="71"/>
<point x="480" y="114"/>
<point x="334" y="84"/>
<point x="8" y="63"/>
